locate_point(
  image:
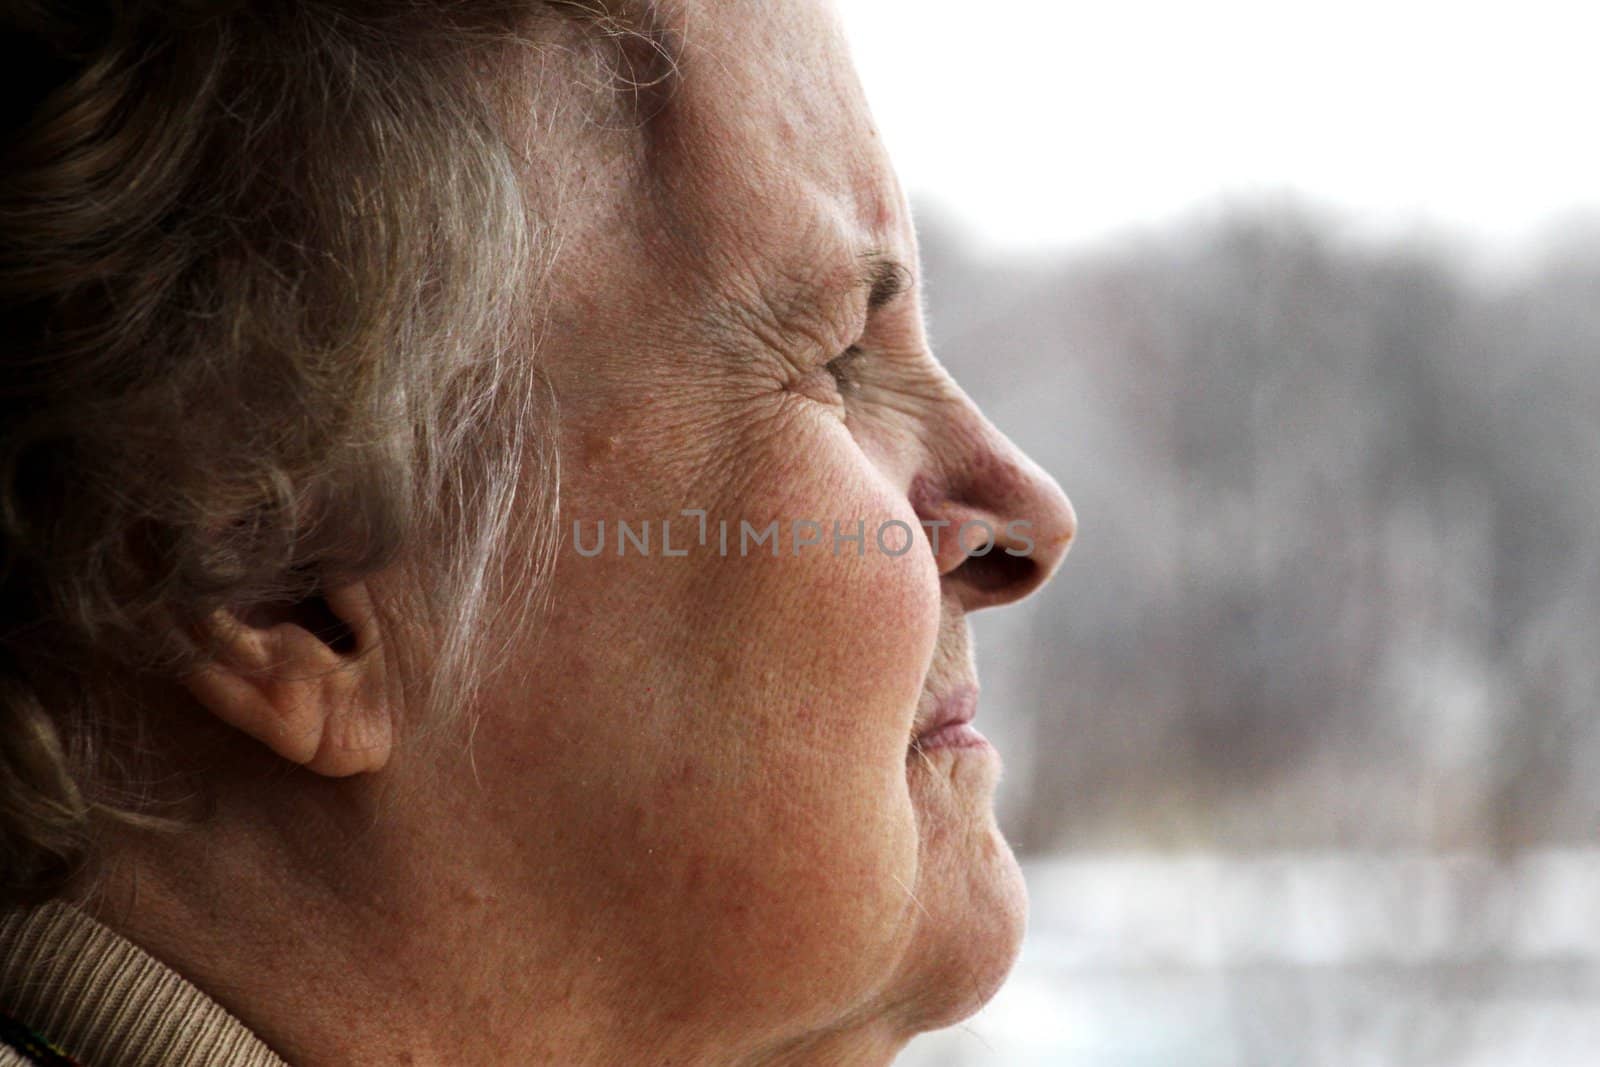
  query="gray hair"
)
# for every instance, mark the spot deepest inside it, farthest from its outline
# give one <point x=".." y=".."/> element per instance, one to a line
<point x="265" y="271"/>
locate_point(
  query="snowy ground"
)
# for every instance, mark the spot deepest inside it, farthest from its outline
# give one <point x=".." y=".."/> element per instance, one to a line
<point x="1343" y="960"/>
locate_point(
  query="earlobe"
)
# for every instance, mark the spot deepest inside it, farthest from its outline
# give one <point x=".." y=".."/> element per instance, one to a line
<point x="314" y="697"/>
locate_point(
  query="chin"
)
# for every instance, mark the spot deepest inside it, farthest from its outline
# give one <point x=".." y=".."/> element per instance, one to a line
<point x="973" y="918"/>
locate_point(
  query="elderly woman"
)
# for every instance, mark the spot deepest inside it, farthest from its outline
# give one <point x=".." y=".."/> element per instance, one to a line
<point x="486" y="546"/>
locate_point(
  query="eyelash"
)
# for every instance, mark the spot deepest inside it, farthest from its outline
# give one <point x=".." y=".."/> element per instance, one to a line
<point x="840" y="366"/>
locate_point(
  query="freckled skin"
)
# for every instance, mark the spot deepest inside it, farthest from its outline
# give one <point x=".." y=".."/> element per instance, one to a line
<point x="689" y="826"/>
<point x="795" y="880"/>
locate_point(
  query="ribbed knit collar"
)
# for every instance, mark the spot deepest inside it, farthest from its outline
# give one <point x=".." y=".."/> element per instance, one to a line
<point x="108" y="1003"/>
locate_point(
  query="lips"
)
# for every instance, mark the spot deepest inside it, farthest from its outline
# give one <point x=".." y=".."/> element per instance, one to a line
<point x="949" y="724"/>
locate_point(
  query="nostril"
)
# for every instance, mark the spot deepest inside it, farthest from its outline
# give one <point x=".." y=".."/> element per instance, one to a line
<point x="998" y="572"/>
<point x="998" y="525"/>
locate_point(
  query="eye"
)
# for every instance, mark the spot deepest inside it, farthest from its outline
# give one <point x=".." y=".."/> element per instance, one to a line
<point x="843" y="367"/>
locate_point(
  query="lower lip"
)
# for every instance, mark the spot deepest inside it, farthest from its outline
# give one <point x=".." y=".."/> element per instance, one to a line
<point x="956" y="735"/>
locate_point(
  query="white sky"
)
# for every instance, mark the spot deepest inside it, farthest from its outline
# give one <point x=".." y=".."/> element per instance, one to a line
<point x="1051" y="121"/>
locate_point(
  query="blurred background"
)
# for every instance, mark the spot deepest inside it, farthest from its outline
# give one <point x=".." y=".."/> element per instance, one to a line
<point x="1301" y="304"/>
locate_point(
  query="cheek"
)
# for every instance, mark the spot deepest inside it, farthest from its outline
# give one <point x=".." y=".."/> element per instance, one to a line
<point x="741" y="725"/>
<point x="816" y="837"/>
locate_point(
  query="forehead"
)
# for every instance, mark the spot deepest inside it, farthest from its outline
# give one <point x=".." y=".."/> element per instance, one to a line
<point x="756" y="141"/>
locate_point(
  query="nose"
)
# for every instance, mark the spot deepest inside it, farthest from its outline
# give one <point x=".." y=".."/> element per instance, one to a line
<point x="999" y="525"/>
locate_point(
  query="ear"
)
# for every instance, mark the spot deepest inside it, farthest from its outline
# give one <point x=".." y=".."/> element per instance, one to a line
<point x="308" y="680"/>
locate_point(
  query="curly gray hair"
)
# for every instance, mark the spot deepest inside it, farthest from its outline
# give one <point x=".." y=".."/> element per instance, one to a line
<point x="265" y="269"/>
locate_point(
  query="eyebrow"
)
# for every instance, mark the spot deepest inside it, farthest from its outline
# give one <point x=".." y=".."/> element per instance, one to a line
<point x="884" y="278"/>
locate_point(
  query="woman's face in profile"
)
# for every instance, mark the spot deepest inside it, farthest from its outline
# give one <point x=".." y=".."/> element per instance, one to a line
<point x="738" y="752"/>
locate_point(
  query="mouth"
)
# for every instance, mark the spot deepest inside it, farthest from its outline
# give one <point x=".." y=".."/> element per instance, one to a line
<point x="948" y="722"/>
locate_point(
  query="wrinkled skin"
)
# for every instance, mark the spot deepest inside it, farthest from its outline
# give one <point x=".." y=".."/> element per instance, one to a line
<point x="693" y="827"/>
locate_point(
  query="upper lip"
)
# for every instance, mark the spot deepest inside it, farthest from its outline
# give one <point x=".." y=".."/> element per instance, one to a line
<point x="953" y="708"/>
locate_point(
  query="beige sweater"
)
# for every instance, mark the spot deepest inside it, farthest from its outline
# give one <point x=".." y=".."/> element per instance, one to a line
<point x="106" y="1002"/>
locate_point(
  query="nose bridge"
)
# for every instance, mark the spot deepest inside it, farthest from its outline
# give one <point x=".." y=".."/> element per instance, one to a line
<point x="979" y="481"/>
